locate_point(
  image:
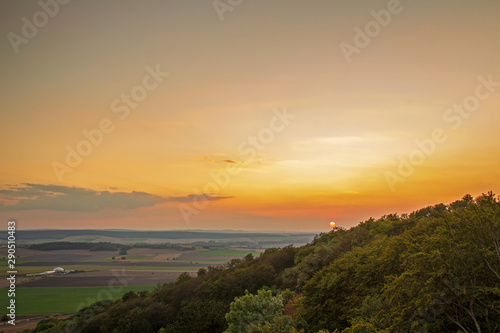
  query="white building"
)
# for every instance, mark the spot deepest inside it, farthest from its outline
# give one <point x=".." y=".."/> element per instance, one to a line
<point x="57" y="270"/>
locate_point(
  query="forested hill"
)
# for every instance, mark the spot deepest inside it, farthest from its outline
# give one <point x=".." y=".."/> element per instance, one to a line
<point x="434" y="270"/>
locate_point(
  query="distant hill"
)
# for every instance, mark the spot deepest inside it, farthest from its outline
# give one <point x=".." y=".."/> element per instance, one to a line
<point x="434" y="270"/>
<point x="188" y="237"/>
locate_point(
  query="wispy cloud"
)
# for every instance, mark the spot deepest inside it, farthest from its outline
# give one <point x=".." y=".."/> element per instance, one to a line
<point x="76" y="199"/>
<point x="196" y="197"/>
<point x="220" y="159"/>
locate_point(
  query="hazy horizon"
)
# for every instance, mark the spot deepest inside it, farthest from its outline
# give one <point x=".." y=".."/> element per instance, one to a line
<point x="188" y="230"/>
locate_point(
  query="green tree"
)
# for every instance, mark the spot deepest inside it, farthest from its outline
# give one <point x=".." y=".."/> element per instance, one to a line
<point x="129" y="295"/>
<point x="45" y="324"/>
<point x="251" y="311"/>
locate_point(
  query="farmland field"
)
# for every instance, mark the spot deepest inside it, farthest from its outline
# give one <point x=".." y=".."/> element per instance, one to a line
<point x="63" y="299"/>
<point x="110" y="274"/>
<point x="109" y="277"/>
<point x="145" y="266"/>
<point x="226" y="252"/>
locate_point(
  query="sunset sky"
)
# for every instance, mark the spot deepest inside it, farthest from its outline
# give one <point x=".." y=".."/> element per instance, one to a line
<point x="248" y="115"/>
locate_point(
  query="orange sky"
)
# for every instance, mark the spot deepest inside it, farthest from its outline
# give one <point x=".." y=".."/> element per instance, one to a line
<point x="267" y="114"/>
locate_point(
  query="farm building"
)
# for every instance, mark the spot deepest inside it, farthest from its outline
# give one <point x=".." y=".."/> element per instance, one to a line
<point x="57" y="270"/>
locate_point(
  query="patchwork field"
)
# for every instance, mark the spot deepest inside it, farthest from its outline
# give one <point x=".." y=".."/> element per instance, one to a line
<point x="159" y="265"/>
<point x="110" y="274"/>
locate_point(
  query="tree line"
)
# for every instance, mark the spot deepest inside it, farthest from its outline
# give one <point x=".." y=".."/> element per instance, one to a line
<point x="104" y="246"/>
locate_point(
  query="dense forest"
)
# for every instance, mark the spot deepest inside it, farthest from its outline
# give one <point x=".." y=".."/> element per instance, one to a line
<point x="434" y="270"/>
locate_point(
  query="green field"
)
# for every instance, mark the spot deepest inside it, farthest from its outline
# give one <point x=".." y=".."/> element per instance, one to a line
<point x="62" y="299"/>
<point x="227" y="252"/>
